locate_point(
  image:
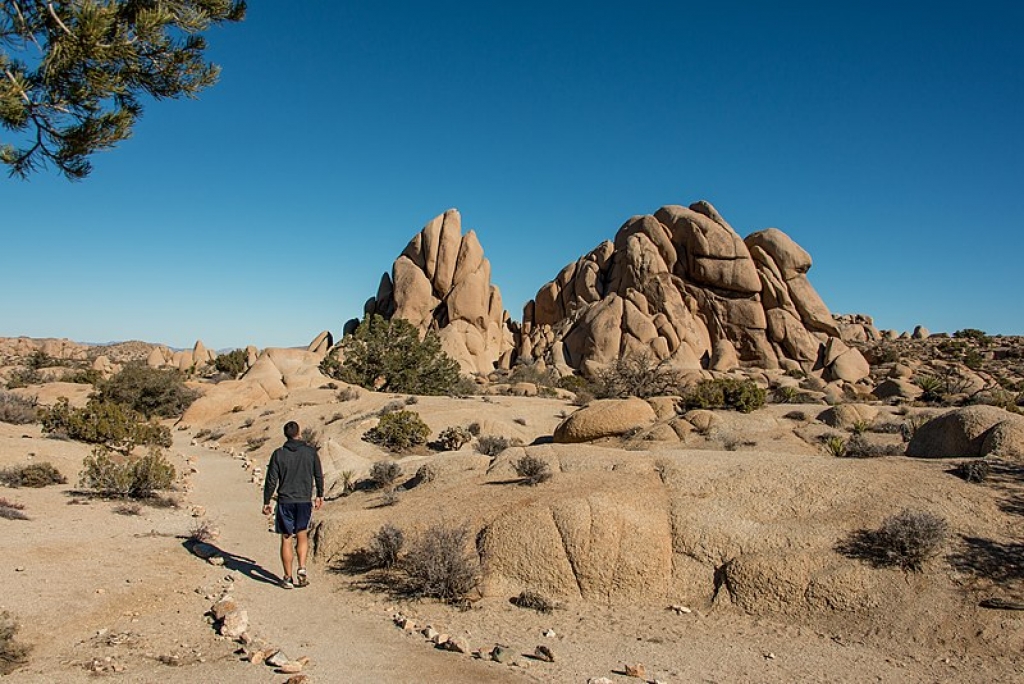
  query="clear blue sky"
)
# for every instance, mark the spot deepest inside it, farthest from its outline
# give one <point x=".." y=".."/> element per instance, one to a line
<point x="887" y="138"/>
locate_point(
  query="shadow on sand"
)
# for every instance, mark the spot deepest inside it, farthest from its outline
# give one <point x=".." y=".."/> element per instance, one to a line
<point x="246" y="566"/>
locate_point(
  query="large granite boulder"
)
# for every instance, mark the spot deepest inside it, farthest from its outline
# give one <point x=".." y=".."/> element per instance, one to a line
<point x="442" y="282"/>
<point x="963" y="433"/>
<point x="605" y="418"/>
<point x="682" y="286"/>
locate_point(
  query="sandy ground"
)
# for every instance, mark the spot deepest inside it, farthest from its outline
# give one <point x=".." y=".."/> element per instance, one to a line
<point x="95" y="590"/>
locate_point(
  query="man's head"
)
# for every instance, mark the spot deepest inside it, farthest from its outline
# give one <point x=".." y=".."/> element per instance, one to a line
<point x="291" y="429"/>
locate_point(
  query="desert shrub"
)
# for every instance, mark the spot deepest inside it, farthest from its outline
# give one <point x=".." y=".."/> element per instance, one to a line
<point x="398" y="431"/>
<point x="931" y="387"/>
<point x="149" y="391"/>
<point x="474" y="429"/>
<point x="389" y="497"/>
<point x="389" y="356"/>
<point x="859" y="446"/>
<point x="11" y="510"/>
<point x="85" y="376"/>
<point x="973" y="334"/>
<point x="906" y="540"/>
<point x="12" y="654"/>
<point x="128" y="509"/>
<point x="254" y="443"/>
<point x="911" y="425"/>
<point x="311" y="437"/>
<point x="582" y="397"/>
<point x="391" y="407"/>
<point x="201" y="531"/>
<point x="973" y="359"/>
<point x="385" y="547"/>
<point x="109" y="423"/>
<point x="384" y="474"/>
<point x="532" y="469"/>
<point x="834" y="445"/>
<point x="975" y="470"/>
<point x="530" y="371"/>
<point x="637" y="375"/>
<point x="426" y="473"/>
<point x="492" y="445"/>
<point x="725" y="393"/>
<point x="860" y="426"/>
<point x="34" y="475"/>
<point x="23" y="377"/>
<point x="120" y="476"/>
<point x="533" y="601"/>
<point x="796" y="415"/>
<point x="786" y="394"/>
<point x="347" y="394"/>
<point x="573" y="383"/>
<point x="453" y="438"/>
<point x="18" y="410"/>
<point x="440" y="565"/>
<point x="232" y="363"/>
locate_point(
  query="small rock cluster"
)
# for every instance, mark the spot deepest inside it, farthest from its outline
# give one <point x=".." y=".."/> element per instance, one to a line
<point x="232" y="622"/>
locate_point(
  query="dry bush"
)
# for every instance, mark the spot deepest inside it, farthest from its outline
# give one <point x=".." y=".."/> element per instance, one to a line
<point x="11" y="510"/>
<point x="426" y="473"/>
<point x="637" y="375"/>
<point x="385" y="547"/>
<point x="906" y="540"/>
<point x="254" y="443"/>
<point x="311" y="437"/>
<point x="149" y="391"/>
<point x="12" y="654"/>
<point x="34" y="475"/>
<point x="128" y="509"/>
<point x="492" y="445"/>
<point x="975" y="470"/>
<point x="533" y="601"/>
<point x="335" y="418"/>
<point x="532" y="469"/>
<point x="441" y="565"/>
<point x="859" y="446"/>
<point x="18" y="410"/>
<point x="474" y="429"/>
<point x="126" y="477"/>
<point x="384" y="474"/>
<point x="201" y="531"/>
<point x="347" y="394"/>
<point x="453" y="438"/>
<point x="389" y="497"/>
<point x="744" y="396"/>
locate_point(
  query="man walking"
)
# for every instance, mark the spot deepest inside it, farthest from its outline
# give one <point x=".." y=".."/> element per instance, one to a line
<point x="294" y="469"/>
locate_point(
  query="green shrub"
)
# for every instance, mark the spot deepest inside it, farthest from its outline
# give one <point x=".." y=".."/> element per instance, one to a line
<point x="18" y="410"/>
<point x="973" y="359"/>
<point x="492" y="445"/>
<point x="573" y="383"/>
<point x="532" y="469"/>
<point x="973" y="334"/>
<point x="23" y="377"/>
<point x="149" y="391"/>
<point x="441" y="565"/>
<point x="384" y="474"/>
<point x="385" y="547"/>
<point x="12" y="654"/>
<point x="233" y="363"/>
<point x="725" y="393"/>
<point x="104" y="422"/>
<point x="120" y="476"/>
<point x="85" y="376"/>
<point x="389" y="356"/>
<point x="637" y="375"/>
<point x="786" y="394"/>
<point x="34" y="475"/>
<point x="399" y="431"/>
<point x="453" y="438"/>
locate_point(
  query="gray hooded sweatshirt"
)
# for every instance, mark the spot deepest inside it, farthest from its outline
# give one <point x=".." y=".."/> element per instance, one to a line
<point x="294" y="469"/>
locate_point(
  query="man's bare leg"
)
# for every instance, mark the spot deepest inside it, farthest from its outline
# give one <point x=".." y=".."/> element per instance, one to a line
<point x="287" y="556"/>
<point x="302" y="547"/>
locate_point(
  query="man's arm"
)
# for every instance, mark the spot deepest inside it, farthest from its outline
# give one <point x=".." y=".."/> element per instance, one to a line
<point x="318" y="478"/>
<point x="270" y="483"/>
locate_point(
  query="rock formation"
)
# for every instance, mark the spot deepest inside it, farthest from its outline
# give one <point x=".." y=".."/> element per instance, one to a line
<point x="442" y="282"/>
<point x="682" y="286"/>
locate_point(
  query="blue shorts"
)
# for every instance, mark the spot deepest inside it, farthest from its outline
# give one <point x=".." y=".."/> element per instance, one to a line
<point x="293" y="517"/>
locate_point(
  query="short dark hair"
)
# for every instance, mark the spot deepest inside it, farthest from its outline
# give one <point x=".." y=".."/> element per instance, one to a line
<point x="291" y="429"/>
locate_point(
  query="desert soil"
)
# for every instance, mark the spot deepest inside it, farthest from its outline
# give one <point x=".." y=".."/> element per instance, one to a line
<point x="119" y="595"/>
